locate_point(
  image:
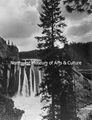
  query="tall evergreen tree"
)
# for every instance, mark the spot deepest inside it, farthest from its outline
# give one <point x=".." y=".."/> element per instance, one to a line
<point x="57" y="83"/>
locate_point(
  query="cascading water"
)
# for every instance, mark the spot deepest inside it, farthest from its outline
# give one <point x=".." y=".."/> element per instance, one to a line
<point x="28" y="78"/>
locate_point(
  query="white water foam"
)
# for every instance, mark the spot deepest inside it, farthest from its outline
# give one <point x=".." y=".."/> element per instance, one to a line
<point x="31" y="106"/>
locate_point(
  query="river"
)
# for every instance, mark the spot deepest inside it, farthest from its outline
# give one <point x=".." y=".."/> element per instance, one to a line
<point x="31" y="105"/>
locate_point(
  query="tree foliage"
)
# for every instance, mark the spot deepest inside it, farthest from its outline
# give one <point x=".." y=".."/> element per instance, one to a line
<point x="78" y="5"/>
<point x="57" y="84"/>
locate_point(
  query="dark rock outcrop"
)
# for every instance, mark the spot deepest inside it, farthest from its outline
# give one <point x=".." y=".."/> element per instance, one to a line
<point x="13" y="52"/>
<point x="83" y="88"/>
<point x="8" y="51"/>
<point x="7" y="110"/>
<point x="3" y="48"/>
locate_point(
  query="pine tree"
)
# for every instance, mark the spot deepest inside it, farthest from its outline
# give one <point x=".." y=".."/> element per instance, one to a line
<point x="57" y="83"/>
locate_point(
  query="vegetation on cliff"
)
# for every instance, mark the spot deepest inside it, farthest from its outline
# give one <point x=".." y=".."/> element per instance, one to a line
<point x="8" y="51"/>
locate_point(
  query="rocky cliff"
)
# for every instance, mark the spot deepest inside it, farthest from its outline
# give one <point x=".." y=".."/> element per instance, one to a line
<point x="7" y="110"/>
<point x="8" y="51"/>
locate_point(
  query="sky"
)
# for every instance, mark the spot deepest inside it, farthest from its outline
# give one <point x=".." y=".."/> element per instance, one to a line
<point x="19" y="19"/>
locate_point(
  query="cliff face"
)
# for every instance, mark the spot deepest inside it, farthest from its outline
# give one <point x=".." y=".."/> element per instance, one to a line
<point x="9" y="51"/>
<point x="3" y="48"/>
<point x="7" y="110"/>
<point x="13" y="52"/>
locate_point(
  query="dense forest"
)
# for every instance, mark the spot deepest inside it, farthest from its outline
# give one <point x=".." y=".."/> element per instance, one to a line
<point x="34" y="54"/>
<point x="80" y="51"/>
<point x="77" y="51"/>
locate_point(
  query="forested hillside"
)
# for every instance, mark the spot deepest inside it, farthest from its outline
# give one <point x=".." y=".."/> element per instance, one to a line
<point x="80" y="51"/>
<point x="76" y="51"/>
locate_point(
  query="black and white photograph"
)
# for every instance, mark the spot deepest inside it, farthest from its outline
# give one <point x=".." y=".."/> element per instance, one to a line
<point x="45" y="60"/>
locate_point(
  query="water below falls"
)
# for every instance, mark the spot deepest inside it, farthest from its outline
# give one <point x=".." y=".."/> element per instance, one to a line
<point x="31" y="105"/>
<point x="28" y="79"/>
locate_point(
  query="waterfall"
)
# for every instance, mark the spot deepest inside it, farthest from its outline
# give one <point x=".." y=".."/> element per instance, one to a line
<point x="32" y="80"/>
<point x="28" y="79"/>
<point x="23" y="79"/>
<point x="24" y="91"/>
<point x="8" y="77"/>
<point x="19" y="69"/>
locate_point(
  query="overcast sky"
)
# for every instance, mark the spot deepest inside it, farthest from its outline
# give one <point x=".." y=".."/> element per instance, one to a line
<point x="19" y="19"/>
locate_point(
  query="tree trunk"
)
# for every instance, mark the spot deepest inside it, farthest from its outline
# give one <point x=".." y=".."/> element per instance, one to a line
<point x="53" y="108"/>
